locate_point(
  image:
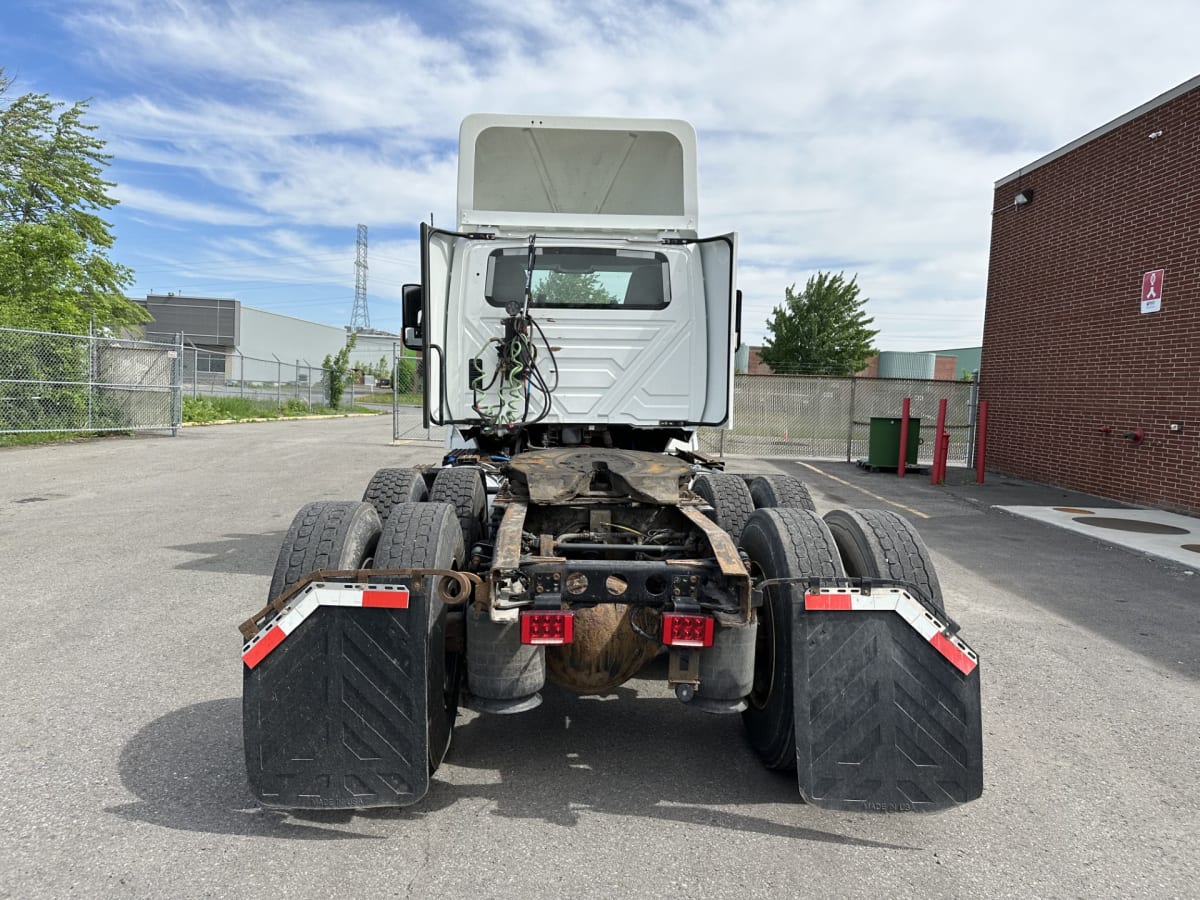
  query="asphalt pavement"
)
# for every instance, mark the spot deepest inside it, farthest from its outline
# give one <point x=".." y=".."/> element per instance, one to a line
<point x="130" y="561"/>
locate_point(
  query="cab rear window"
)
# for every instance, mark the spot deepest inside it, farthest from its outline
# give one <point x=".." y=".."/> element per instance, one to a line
<point x="567" y="277"/>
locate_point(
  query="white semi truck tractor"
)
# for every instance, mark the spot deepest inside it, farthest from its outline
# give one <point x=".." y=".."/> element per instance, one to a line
<point x="574" y="331"/>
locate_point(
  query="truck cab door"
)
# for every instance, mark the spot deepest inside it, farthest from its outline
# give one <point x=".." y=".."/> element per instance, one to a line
<point x="718" y="262"/>
<point x="437" y="257"/>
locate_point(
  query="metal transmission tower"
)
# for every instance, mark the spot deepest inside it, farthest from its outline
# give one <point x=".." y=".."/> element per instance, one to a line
<point x="360" y="318"/>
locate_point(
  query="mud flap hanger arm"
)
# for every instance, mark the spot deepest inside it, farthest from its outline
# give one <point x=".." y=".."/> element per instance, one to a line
<point x="883" y="595"/>
<point x="454" y="588"/>
<point x="864" y="585"/>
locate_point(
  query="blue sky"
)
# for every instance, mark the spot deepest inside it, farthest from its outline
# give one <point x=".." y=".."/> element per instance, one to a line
<point x="250" y="137"/>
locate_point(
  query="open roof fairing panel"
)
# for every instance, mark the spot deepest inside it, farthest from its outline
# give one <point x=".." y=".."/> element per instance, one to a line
<point x="524" y="173"/>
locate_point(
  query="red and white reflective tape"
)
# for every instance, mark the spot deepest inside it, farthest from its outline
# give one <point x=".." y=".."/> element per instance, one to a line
<point x="897" y="600"/>
<point x="305" y="603"/>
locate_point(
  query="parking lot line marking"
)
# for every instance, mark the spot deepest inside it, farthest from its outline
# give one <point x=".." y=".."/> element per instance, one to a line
<point x="907" y="509"/>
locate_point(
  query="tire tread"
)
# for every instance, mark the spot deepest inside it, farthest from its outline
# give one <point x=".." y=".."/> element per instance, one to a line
<point x="891" y="546"/>
<point x="462" y="487"/>
<point x="389" y="487"/>
<point x="781" y="491"/>
<point x="793" y="543"/>
<point x="323" y="536"/>
<point x="730" y="499"/>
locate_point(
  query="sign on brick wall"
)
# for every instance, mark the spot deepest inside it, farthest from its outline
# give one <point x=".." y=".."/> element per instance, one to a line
<point x="1152" y="285"/>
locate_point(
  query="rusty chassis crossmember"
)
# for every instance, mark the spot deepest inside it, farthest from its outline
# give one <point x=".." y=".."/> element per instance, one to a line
<point x="720" y="585"/>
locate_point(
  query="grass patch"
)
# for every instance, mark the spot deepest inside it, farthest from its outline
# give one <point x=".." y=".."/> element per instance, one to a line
<point x="207" y="409"/>
<point x="219" y="409"/>
<point x="377" y="400"/>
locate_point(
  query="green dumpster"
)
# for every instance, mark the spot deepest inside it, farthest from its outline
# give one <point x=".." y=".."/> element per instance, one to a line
<point x="883" y="446"/>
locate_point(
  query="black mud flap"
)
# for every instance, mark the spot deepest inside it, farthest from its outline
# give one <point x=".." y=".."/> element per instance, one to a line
<point x="335" y="716"/>
<point x="884" y="721"/>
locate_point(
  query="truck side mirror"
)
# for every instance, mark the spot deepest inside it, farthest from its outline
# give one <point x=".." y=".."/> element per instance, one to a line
<point x="412" y="328"/>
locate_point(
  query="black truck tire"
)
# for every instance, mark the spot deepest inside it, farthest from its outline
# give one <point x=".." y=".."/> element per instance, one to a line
<point x="388" y="487"/>
<point x="780" y="491"/>
<point x="327" y="534"/>
<point x="781" y="543"/>
<point x="427" y="535"/>
<point x="463" y="488"/>
<point x="877" y="543"/>
<point x="729" y="498"/>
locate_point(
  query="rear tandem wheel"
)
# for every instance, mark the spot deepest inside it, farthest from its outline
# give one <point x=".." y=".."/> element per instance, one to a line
<point x="389" y="487"/>
<point x="878" y="543"/>
<point x="427" y="535"/>
<point x="781" y="543"/>
<point x="464" y="489"/>
<point x="326" y="534"/>
<point x="729" y="498"/>
<point x="778" y="491"/>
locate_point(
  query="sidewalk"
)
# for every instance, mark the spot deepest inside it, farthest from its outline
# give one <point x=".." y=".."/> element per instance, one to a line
<point x="1151" y="531"/>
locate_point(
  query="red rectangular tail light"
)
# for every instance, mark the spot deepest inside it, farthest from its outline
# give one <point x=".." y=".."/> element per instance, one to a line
<point x="682" y="630"/>
<point x="547" y="627"/>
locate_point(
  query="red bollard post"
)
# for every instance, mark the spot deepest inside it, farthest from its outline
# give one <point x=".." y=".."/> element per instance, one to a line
<point x="945" y="456"/>
<point x="939" y="451"/>
<point x="981" y="441"/>
<point x="903" y="436"/>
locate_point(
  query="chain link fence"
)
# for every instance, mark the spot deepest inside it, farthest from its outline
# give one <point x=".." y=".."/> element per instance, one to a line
<point x="817" y="417"/>
<point x="213" y="373"/>
<point x="810" y="417"/>
<point x="69" y="382"/>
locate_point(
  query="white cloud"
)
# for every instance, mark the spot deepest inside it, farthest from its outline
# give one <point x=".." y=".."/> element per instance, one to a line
<point x="860" y="134"/>
<point x="152" y="201"/>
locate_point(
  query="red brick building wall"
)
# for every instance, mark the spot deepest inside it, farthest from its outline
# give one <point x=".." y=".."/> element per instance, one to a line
<point x="945" y="368"/>
<point x="1070" y="362"/>
<point x="757" y="366"/>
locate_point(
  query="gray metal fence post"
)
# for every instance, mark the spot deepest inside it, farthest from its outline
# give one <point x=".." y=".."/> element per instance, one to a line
<point x="195" y="372"/>
<point x="972" y="412"/>
<point x="177" y="386"/>
<point x="850" y="424"/>
<point x="91" y="373"/>
<point x="241" y="373"/>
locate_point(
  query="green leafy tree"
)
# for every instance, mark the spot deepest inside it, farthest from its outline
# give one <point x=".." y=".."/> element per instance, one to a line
<point x="563" y="288"/>
<point x="55" y="274"/>
<point x="821" y="330"/>
<point x="337" y="372"/>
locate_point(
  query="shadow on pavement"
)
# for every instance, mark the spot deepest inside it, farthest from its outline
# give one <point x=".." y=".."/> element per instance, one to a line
<point x="188" y="770"/>
<point x="624" y="756"/>
<point x="237" y="554"/>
